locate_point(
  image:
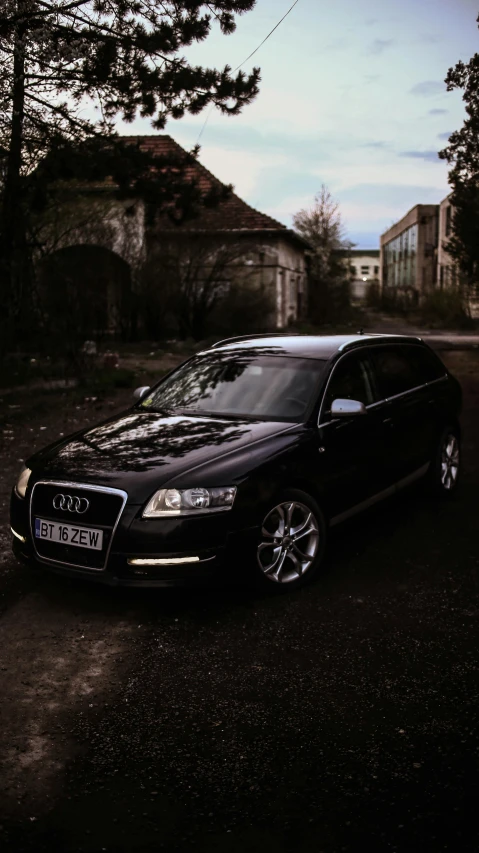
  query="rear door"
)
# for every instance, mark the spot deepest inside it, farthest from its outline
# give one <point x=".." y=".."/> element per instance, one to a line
<point x="401" y="376"/>
<point x="353" y="452"/>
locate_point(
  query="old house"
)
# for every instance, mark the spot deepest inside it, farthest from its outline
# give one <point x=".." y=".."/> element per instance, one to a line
<point x="107" y="244"/>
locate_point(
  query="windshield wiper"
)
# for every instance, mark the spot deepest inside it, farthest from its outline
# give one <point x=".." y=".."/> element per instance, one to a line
<point x="220" y="415"/>
<point x="158" y="410"/>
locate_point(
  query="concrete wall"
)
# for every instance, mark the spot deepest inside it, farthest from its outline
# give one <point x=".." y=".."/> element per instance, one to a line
<point x="446" y="271"/>
<point x="291" y="283"/>
<point x="408" y="253"/>
<point x="97" y="219"/>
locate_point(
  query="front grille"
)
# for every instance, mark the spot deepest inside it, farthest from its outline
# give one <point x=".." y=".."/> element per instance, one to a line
<point x="103" y="513"/>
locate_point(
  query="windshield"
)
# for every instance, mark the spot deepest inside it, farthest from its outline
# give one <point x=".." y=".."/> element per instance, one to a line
<point x="256" y="386"/>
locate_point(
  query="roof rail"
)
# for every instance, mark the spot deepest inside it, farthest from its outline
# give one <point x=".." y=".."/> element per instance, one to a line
<point x="239" y="338"/>
<point x="366" y="336"/>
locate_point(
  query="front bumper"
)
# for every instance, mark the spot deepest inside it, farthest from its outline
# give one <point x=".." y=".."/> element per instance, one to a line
<point x="221" y="550"/>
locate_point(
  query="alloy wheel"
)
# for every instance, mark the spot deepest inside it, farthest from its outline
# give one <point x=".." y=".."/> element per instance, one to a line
<point x="449" y="462"/>
<point x="289" y="542"/>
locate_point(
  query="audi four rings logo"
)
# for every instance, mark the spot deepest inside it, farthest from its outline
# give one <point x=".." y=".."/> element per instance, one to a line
<point x="69" y="503"/>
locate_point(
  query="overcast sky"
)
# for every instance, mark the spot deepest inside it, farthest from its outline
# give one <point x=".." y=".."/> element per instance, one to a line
<point x="352" y="95"/>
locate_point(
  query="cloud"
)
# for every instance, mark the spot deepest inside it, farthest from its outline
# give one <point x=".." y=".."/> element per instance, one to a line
<point x="241" y="168"/>
<point x="368" y="209"/>
<point x="345" y="174"/>
<point x="445" y="135"/>
<point x="375" y="145"/>
<point x="438" y="112"/>
<point x="429" y="38"/>
<point x="378" y="46"/>
<point x="430" y="156"/>
<point x="428" y="88"/>
<point x="389" y="195"/>
<point x="338" y="44"/>
<point x="369" y="22"/>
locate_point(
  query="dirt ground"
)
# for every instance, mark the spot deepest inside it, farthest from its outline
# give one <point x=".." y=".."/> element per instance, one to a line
<point x="339" y="718"/>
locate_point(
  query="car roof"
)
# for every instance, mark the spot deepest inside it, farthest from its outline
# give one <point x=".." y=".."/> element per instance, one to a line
<point x="306" y="346"/>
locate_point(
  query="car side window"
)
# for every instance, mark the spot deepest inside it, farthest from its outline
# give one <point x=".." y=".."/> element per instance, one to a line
<point x="396" y="370"/>
<point x="428" y="366"/>
<point x="349" y="381"/>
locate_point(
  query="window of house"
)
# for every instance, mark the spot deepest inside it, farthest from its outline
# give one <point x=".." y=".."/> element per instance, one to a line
<point x="376" y="270"/>
<point x="292" y="291"/>
<point x="448" y="220"/>
<point x="364" y="270"/>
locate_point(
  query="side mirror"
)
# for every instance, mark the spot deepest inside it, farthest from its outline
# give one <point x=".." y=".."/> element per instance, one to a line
<point x="139" y="393"/>
<point x="347" y="409"/>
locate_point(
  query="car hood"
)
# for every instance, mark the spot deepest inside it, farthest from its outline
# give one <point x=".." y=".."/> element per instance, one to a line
<point x="141" y="450"/>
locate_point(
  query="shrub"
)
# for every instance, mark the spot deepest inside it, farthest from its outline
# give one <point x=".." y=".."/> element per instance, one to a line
<point x="245" y="309"/>
<point x="446" y="309"/>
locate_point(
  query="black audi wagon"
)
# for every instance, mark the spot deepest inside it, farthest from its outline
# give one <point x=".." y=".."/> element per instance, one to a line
<point x="243" y="456"/>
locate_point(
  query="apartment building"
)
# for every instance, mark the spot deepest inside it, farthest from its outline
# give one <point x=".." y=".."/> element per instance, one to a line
<point x="409" y="253"/>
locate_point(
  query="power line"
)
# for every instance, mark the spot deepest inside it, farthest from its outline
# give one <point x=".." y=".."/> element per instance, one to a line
<point x="267" y="37"/>
<point x="246" y="60"/>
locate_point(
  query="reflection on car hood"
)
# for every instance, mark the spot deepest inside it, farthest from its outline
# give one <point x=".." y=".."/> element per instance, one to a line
<point x="147" y="443"/>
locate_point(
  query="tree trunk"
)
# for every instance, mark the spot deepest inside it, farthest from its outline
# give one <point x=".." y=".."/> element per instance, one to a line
<point x="13" y="238"/>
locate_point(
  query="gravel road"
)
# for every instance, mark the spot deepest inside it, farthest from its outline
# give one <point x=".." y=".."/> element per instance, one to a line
<point x="339" y="718"/>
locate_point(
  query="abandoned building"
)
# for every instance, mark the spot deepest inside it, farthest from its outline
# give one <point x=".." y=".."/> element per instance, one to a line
<point x="105" y="245"/>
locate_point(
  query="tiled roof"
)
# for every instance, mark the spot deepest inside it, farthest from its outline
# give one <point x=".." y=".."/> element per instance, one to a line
<point x="231" y="214"/>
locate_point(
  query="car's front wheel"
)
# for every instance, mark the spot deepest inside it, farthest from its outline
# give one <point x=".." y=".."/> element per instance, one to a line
<point x="292" y="540"/>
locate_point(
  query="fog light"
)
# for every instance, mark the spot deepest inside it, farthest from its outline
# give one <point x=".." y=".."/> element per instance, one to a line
<point x="17" y="535"/>
<point x="163" y="561"/>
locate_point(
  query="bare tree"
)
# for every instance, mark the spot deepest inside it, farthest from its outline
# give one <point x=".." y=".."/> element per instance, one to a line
<point x="188" y="279"/>
<point x="321" y="225"/>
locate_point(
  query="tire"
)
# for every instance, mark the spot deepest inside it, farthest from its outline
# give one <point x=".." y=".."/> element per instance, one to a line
<point x="446" y="464"/>
<point x="292" y="517"/>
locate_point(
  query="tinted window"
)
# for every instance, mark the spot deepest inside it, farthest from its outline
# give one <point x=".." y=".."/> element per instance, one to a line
<point x="349" y="381"/>
<point x="263" y="387"/>
<point x="428" y="366"/>
<point x="398" y="369"/>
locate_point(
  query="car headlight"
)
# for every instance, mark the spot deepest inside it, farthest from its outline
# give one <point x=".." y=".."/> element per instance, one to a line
<point x="171" y="502"/>
<point x="22" y="482"/>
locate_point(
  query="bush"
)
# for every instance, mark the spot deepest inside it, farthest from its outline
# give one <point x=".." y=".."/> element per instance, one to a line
<point x="329" y="301"/>
<point x="373" y="296"/>
<point x="446" y="309"/>
<point x="390" y="300"/>
<point x="244" y="310"/>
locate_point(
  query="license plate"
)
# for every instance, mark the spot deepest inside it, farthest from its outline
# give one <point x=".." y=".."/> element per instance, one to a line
<point x="69" y="534"/>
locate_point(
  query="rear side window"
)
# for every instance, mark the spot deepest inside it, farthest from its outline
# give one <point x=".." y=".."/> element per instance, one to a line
<point x="429" y="367"/>
<point x="395" y="369"/>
